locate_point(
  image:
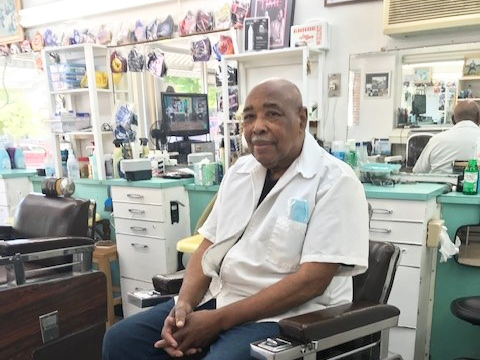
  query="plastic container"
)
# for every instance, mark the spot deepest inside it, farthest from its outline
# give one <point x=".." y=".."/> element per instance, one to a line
<point x="108" y="166"/>
<point x="83" y="165"/>
<point x="73" y="169"/>
<point x="5" y="163"/>
<point x="338" y="149"/>
<point x="470" y="178"/>
<point x="19" y="159"/>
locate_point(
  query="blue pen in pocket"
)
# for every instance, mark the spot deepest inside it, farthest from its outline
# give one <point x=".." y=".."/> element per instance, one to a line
<point x="298" y="210"/>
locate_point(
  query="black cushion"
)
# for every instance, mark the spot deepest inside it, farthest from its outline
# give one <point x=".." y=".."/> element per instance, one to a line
<point x="334" y="320"/>
<point x="467" y="308"/>
<point x="41" y="216"/>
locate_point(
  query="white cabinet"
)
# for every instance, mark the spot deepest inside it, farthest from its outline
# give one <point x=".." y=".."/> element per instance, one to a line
<point x="404" y="223"/>
<point x="12" y="190"/>
<point x="148" y="224"/>
<point x="67" y="94"/>
<point x="302" y="65"/>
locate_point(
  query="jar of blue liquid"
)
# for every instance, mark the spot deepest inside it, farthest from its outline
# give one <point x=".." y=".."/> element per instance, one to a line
<point x="338" y="149"/>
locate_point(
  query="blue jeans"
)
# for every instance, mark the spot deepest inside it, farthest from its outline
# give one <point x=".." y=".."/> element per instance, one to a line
<point x="133" y="337"/>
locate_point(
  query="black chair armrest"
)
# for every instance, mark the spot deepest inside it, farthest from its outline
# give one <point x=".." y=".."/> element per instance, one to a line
<point x="6" y="232"/>
<point x="335" y="320"/>
<point x="168" y="284"/>
<point x="27" y="246"/>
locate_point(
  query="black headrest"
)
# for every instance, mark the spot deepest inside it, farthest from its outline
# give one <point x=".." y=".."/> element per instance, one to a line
<point x="375" y="284"/>
<point x="41" y="216"/>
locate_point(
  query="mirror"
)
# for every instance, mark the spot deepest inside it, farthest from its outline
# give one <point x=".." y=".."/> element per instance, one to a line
<point x="469" y="253"/>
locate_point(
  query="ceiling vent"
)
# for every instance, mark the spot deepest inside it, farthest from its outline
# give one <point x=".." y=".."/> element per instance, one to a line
<point x="410" y="16"/>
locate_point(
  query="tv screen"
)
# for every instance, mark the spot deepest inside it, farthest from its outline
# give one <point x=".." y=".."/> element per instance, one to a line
<point x="185" y="114"/>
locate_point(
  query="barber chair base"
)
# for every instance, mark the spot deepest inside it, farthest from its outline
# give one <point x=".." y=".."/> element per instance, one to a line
<point x="81" y="303"/>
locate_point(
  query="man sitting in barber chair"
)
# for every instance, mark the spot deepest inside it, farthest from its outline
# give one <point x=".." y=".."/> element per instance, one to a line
<point x="288" y="230"/>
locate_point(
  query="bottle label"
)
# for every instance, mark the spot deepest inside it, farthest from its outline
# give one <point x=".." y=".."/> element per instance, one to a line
<point x="470" y="182"/>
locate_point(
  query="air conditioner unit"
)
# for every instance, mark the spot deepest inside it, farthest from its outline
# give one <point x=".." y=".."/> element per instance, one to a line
<point x="411" y="16"/>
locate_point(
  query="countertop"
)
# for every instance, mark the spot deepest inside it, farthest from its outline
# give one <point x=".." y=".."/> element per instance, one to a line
<point x="459" y="198"/>
<point x="16" y="173"/>
<point x="418" y="191"/>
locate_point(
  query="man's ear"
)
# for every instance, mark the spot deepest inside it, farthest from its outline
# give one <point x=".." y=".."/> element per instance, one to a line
<point x="303" y="115"/>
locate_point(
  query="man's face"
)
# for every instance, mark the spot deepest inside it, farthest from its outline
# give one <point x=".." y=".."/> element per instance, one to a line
<point x="274" y="126"/>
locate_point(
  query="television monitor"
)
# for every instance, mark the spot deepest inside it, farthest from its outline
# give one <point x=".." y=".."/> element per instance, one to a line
<point x="419" y="104"/>
<point x="185" y="114"/>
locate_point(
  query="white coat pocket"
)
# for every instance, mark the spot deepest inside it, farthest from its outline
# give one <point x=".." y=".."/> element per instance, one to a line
<point x="284" y="248"/>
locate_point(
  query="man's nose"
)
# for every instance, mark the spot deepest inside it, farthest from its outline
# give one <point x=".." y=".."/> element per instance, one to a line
<point x="259" y="125"/>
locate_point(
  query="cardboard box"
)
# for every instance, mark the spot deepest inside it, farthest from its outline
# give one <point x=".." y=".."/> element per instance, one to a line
<point x="314" y="34"/>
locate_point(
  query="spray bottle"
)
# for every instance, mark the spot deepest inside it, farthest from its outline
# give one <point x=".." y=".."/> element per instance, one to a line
<point x="117" y="157"/>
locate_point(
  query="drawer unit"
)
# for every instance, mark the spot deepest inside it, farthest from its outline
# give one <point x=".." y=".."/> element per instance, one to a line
<point x="137" y="195"/>
<point x="130" y="285"/>
<point x="398" y="210"/>
<point x="402" y="341"/>
<point x="397" y="231"/>
<point x="139" y="211"/>
<point x="140" y="228"/>
<point x="411" y="255"/>
<point x="404" y="223"/>
<point x="148" y="224"/>
<point x="142" y="258"/>
<point x="405" y="295"/>
<point x="12" y="191"/>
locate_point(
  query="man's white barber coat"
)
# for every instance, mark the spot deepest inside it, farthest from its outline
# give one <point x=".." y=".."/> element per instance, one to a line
<point x="457" y="143"/>
<point x="271" y="244"/>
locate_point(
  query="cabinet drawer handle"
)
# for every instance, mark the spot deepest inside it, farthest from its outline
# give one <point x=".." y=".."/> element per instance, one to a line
<point x="141" y="246"/>
<point x="135" y="196"/>
<point x="382" y="211"/>
<point x="136" y="211"/>
<point x="379" y="230"/>
<point x="138" y="228"/>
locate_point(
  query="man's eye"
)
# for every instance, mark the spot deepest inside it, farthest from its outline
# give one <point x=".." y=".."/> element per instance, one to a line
<point x="272" y="114"/>
<point x="248" y="117"/>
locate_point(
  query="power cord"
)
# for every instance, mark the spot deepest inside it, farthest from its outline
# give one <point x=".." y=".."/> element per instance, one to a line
<point x="7" y="98"/>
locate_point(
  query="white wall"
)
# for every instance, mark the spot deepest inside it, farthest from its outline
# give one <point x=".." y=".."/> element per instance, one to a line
<point x="355" y="28"/>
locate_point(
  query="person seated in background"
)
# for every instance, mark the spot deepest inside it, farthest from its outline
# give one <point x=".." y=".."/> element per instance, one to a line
<point x="457" y="143"/>
<point x="288" y="230"/>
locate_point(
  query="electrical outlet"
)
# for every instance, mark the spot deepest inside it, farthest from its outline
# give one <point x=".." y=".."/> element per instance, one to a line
<point x="334" y="85"/>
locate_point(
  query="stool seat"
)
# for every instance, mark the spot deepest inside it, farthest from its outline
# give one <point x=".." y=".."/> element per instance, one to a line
<point x="467" y="308"/>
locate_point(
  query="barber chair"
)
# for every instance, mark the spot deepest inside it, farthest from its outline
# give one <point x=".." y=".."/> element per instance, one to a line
<point x="414" y="147"/>
<point x="467" y="309"/>
<point x="358" y="330"/>
<point x="53" y="305"/>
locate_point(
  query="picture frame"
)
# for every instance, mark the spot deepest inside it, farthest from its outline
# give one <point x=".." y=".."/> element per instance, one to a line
<point x="471" y="66"/>
<point x="256" y="33"/>
<point x="10" y="29"/>
<point x="377" y="85"/>
<point x="344" y="2"/>
<point x="281" y="14"/>
<point x="422" y="75"/>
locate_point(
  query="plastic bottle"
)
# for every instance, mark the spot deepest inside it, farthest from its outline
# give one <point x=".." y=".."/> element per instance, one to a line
<point x="117" y="157"/>
<point x="250" y="38"/>
<point x="73" y="169"/>
<point x="49" y="166"/>
<point x="338" y="149"/>
<point x="144" y="148"/>
<point x="108" y="165"/>
<point x="470" y="178"/>
<point x="5" y="163"/>
<point x="19" y="159"/>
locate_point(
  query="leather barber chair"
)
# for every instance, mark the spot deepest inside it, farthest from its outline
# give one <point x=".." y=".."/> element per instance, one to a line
<point x="358" y="330"/>
<point x="53" y="305"/>
<point x="467" y="309"/>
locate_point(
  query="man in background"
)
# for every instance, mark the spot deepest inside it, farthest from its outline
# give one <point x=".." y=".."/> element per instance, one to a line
<point x="457" y="143"/>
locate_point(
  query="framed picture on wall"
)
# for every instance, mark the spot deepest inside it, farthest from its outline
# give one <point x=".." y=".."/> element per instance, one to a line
<point x="377" y="85"/>
<point x="422" y="75"/>
<point x="472" y="66"/>
<point x="280" y="13"/>
<point x="10" y="29"/>
<point x="343" y="2"/>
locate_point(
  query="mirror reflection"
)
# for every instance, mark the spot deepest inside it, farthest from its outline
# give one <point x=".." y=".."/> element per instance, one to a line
<point x="469" y="253"/>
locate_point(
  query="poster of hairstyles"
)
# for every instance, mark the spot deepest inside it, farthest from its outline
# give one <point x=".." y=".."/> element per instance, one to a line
<point x="280" y="13"/>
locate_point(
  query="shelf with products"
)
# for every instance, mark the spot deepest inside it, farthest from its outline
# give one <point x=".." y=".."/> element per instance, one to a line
<point x="79" y="81"/>
<point x="301" y="65"/>
<point x="468" y="88"/>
